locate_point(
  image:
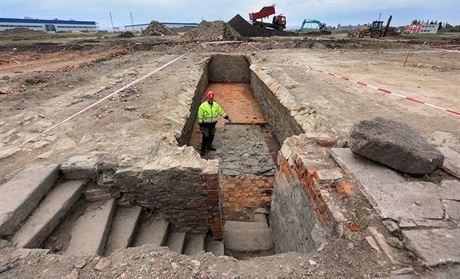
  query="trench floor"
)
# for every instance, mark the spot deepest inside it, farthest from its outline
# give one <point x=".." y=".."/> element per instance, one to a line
<point x="245" y="148"/>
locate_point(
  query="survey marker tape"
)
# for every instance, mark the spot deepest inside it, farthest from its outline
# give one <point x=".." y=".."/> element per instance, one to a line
<point x="134" y="82"/>
<point x="380" y="89"/>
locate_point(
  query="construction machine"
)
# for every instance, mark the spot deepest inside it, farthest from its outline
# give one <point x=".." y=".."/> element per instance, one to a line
<point x="374" y="30"/>
<point x="278" y="22"/>
<point x="314" y="26"/>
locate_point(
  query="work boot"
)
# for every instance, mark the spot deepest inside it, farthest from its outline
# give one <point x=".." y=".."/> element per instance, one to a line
<point x="210" y="147"/>
<point x="204" y="145"/>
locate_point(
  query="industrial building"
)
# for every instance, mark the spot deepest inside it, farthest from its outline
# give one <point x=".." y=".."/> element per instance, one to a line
<point x="48" y="25"/>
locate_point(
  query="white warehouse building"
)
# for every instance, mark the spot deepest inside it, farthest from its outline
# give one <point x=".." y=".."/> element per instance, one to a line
<point x="48" y="25"/>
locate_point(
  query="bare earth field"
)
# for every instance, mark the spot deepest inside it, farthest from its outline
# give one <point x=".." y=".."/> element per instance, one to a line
<point x="39" y="88"/>
<point x="430" y="76"/>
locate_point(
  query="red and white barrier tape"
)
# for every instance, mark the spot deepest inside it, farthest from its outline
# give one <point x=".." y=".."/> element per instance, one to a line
<point x="378" y="89"/>
<point x="134" y="82"/>
<point x="381" y="90"/>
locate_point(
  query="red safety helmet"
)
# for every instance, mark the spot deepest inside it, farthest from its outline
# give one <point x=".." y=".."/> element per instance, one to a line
<point x="210" y="95"/>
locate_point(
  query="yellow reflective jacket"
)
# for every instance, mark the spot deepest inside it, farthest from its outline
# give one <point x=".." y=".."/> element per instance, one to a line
<point x="208" y="113"/>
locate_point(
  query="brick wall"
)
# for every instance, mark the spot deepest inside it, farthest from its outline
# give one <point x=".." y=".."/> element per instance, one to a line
<point x="241" y="195"/>
<point x="210" y="176"/>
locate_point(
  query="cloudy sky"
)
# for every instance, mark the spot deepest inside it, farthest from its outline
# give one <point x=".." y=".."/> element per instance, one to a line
<point x="331" y="12"/>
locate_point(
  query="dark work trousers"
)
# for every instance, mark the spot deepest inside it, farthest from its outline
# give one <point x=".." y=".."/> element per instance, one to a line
<point x="208" y="131"/>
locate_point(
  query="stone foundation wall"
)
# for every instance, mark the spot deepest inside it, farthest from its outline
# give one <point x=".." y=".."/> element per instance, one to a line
<point x="282" y="123"/>
<point x="188" y="197"/>
<point x="302" y="213"/>
<point x="241" y="195"/>
<point x="229" y="68"/>
<point x="197" y="99"/>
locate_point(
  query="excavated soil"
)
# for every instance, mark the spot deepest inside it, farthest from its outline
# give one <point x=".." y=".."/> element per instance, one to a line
<point x="157" y="29"/>
<point x="21" y="31"/>
<point x="246" y="29"/>
<point x="212" y="31"/>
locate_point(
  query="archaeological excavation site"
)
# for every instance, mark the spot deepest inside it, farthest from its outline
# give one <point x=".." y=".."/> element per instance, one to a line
<point x="335" y="160"/>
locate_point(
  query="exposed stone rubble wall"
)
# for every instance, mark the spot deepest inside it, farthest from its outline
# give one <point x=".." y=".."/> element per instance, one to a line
<point x="285" y="116"/>
<point x="188" y="197"/>
<point x="302" y="213"/>
<point x="241" y="195"/>
<point x="229" y="68"/>
<point x="244" y="151"/>
<point x="197" y="98"/>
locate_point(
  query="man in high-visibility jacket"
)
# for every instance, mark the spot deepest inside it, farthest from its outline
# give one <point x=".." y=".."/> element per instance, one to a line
<point x="208" y="112"/>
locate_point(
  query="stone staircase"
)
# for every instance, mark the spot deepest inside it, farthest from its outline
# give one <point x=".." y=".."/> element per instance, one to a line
<point x="37" y="208"/>
<point x="249" y="239"/>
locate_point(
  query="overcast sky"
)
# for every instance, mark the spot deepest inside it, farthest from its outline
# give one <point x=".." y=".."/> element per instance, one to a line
<point x="332" y="12"/>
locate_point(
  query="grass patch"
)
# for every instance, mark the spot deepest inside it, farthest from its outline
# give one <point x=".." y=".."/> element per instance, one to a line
<point x="80" y="79"/>
<point x="432" y="178"/>
<point x="359" y="212"/>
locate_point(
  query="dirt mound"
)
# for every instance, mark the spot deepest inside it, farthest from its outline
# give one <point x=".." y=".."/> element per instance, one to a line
<point x="246" y="29"/>
<point x="157" y="29"/>
<point x="21" y="31"/>
<point x="212" y="31"/>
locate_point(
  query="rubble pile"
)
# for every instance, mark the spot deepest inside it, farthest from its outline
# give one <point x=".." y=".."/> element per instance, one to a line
<point x="126" y="34"/>
<point x="212" y="31"/>
<point x="157" y="29"/>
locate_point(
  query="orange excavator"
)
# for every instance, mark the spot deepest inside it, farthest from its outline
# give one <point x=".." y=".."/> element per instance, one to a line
<point x="278" y="22"/>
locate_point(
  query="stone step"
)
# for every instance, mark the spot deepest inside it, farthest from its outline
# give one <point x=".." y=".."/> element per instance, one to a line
<point x="260" y="218"/>
<point x="89" y="233"/>
<point x="237" y="225"/>
<point x="247" y="236"/>
<point x="214" y="246"/>
<point x="194" y="244"/>
<point x="48" y="214"/>
<point x="176" y="241"/>
<point x="123" y="228"/>
<point x="22" y="193"/>
<point x="153" y="231"/>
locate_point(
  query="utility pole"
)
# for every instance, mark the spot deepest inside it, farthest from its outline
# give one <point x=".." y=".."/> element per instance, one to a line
<point x="132" y="24"/>
<point x="111" y="20"/>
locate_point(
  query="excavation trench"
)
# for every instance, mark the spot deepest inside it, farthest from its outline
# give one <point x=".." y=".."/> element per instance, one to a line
<point x="239" y="193"/>
<point x="247" y="149"/>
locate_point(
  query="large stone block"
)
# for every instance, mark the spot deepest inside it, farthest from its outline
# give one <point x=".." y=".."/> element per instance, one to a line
<point x="395" y="145"/>
<point x="22" y="193"/>
<point x="48" y="214"/>
<point x="436" y="246"/>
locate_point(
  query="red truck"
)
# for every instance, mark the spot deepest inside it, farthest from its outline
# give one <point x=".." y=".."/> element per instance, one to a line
<point x="278" y="22"/>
